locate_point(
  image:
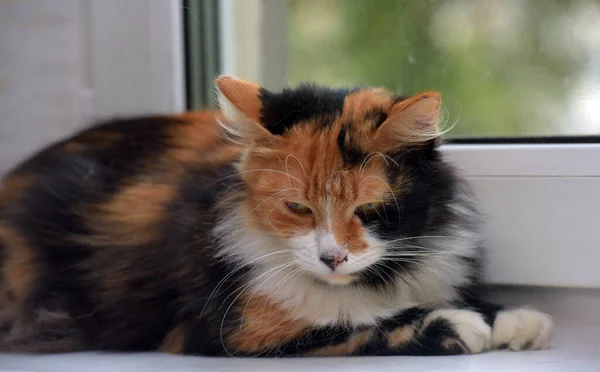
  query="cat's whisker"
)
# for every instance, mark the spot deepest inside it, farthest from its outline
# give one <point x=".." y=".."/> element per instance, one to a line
<point x="387" y="242"/>
<point x="386" y="158"/>
<point x="273" y="195"/>
<point x="254" y="170"/>
<point x="241" y="292"/>
<point x="293" y="262"/>
<point x="295" y="272"/>
<point x="372" y="270"/>
<point x="416" y="253"/>
<point x="299" y="162"/>
<point x="432" y="270"/>
<point x="246" y="265"/>
<point x="365" y="163"/>
<point x="420" y="255"/>
<point x="380" y="216"/>
<point x="254" y="280"/>
<point x="397" y="273"/>
<point x="240" y="267"/>
<point x="388" y="187"/>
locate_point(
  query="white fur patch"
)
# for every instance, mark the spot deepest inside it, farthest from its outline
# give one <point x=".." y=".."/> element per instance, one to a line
<point x="522" y="329"/>
<point x="469" y="325"/>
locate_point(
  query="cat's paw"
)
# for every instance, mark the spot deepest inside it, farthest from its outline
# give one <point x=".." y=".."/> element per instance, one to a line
<point x="468" y="332"/>
<point x="522" y="329"/>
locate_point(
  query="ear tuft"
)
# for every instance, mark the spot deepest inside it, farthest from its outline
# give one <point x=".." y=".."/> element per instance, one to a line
<point x="240" y="103"/>
<point x="411" y="121"/>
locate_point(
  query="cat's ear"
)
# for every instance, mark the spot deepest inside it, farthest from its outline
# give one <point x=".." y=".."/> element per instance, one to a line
<point x="409" y="122"/>
<point x="241" y="105"/>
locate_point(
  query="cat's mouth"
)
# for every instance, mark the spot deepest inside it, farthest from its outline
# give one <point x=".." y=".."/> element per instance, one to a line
<point x="338" y="279"/>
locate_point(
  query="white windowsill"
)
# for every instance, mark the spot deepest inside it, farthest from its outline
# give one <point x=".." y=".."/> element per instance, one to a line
<point x="575" y="347"/>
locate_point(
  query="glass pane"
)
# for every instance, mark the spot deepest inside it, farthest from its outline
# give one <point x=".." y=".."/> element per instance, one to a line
<point x="504" y="67"/>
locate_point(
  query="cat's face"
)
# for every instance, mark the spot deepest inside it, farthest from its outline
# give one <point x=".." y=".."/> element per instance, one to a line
<point x="330" y="173"/>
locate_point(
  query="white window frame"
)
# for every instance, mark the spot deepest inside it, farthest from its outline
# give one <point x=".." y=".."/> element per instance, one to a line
<point x="542" y="199"/>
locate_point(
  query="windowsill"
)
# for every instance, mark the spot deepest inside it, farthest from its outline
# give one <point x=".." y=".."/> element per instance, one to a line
<point x="575" y="347"/>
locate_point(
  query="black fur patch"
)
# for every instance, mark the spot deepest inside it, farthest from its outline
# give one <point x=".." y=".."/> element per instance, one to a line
<point x="419" y="210"/>
<point x="351" y="153"/>
<point x="314" y="339"/>
<point x="413" y="315"/>
<point x="281" y="111"/>
<point x="376" y="116"/>
<point x="398" y="99"/>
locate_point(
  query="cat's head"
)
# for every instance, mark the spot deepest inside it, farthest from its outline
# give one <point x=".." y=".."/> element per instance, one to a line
<point x="343" y="178"/>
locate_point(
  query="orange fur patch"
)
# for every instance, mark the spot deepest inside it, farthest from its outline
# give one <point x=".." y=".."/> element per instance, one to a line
<point x="132" y="217"/>
<point x="92" y="140"/>
<point x="411" y="121"/>
<point x="307" y="168"/>
<point x="200" y="140"/>
<point x="19" y="269"/>
<point x="453" y="343"/>
<point x="243" y="94"/>
<point x="357" y="106"/>
<point x="400" y="336"/>
<point x="350" y="347"/>
<point x="127" y="223"/>
<point x="174" y="341"/>
<point x="13" y="186"/>
<point x="264" y="325"/>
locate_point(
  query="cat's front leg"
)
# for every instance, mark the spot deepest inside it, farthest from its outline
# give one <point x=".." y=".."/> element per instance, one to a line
<point x="441" y="332"/>
<point x="419" y="331"/>
<point x="464" y="331"/>
<point x="415" y="331"/>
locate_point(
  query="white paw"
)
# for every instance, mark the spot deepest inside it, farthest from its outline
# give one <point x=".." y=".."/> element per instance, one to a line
<point x="470" y="327"/>
<point x="522" y="329"/>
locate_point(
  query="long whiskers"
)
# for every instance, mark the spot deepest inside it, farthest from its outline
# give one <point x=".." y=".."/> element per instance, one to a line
<point x="255" y="170"/>
<point x="431" y="270"/>
<point x="293" y="262"/>
<point x="272" y="195"/>
<point x="387" y="242"/>
<point x="241" y="292"/>
<point x="299" y="162"/>
<point x="389" y="188"/>
<point x="240" y="267"/>
<point x="289" y="276"/>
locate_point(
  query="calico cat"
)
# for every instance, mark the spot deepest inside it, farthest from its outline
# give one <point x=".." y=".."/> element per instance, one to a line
<point x="310" y="222"/>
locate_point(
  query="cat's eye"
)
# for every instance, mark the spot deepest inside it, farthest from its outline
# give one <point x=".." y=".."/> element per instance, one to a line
<point x="368" y="208"/>
<point x="298" y="208"/>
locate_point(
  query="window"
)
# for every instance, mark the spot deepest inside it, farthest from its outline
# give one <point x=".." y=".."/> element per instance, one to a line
<point x="505" y="68"/>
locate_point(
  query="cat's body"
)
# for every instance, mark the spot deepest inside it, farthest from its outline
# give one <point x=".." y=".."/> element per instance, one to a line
<point x="320" y="228"/>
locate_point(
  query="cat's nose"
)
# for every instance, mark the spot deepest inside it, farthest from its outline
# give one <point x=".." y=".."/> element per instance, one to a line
<point x="333" y="261"/>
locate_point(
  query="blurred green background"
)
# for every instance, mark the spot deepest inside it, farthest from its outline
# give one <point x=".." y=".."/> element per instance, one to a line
<point x="504" y="67"/>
